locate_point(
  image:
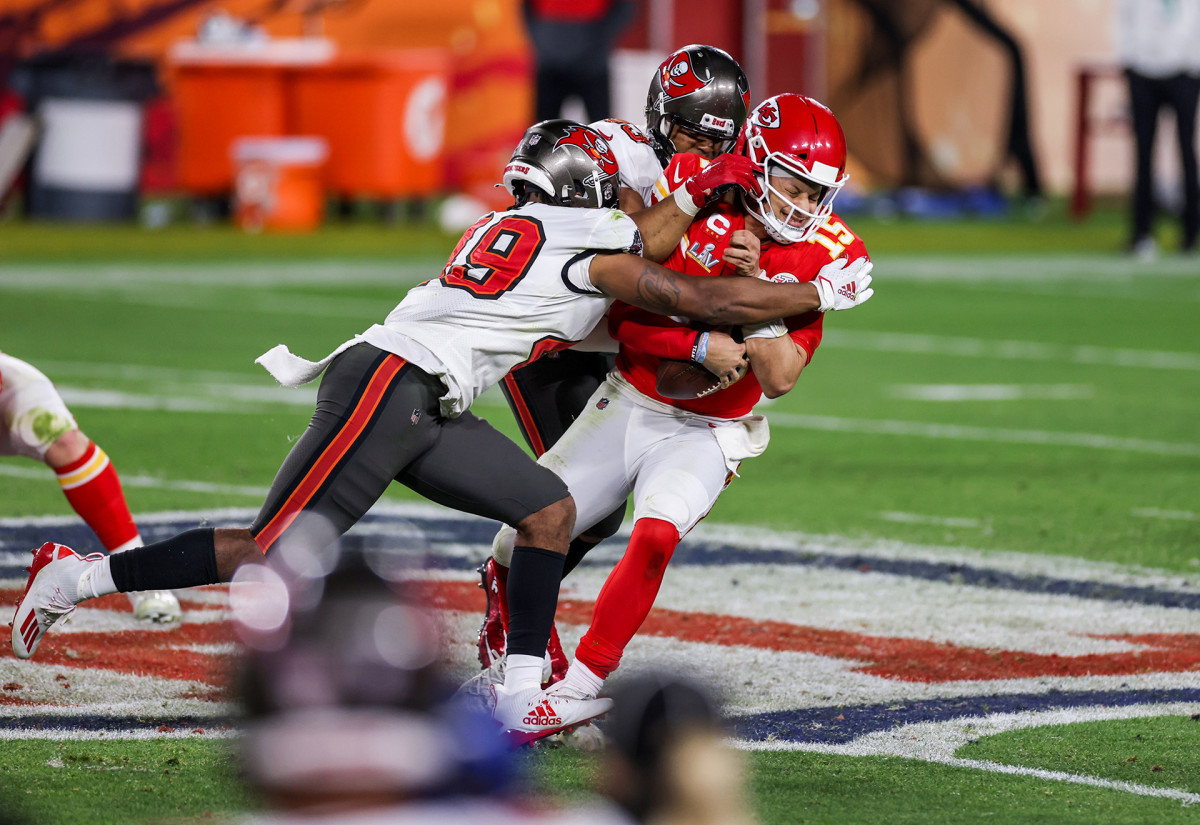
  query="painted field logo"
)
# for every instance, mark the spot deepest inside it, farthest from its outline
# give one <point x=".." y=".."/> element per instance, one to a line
<point x="817" y="643"/>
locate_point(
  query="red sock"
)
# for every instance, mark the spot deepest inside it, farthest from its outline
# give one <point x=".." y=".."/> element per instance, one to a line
<point x="627" y="595"/>
<point x="502" y="590"/>
<point x="94" y="491"/>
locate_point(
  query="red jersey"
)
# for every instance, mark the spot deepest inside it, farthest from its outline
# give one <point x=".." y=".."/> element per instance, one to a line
<point x="647" y="338"/>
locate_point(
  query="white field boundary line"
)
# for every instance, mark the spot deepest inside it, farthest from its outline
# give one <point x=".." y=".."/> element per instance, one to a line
<point x="939" y="742"/>
<point x="998" y="435"/>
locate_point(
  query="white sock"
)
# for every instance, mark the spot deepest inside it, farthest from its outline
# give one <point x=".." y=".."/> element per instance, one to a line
<point x="522" y="673"/>
<point x="96" y="580"/>
<point x="136" y="541"/>
<point x="581" y="677"/>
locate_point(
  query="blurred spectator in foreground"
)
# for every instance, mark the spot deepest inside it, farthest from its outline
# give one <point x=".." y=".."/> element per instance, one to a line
<point x="667" y="761"/>
<point x="1158" y="43"/>
<point x="572" y="42"/>
<point x="349" y="719"/>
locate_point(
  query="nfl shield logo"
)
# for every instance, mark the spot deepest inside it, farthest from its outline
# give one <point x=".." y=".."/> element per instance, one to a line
<point x="602" y="403"/>
<point x="415" y="417"/>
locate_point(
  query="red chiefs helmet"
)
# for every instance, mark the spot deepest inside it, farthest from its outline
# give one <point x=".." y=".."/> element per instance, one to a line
<point x="794" y="136"/>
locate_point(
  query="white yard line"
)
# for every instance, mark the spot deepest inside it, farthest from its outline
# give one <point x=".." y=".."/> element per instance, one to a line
<point x="940" y="741"/>
<point x="1000" y="435"/>
<point x="957" y="393"/>
<point x="939" y="521"/>
<point x="147" y="481"/>
<point x="1176" y="515"/>
<point x="920" y="344"/>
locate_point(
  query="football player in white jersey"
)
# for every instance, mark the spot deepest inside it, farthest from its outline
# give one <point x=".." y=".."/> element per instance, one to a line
<point x="393" y="405"/>
<point x="35" y="423"/>
<point x="697" y="102"/>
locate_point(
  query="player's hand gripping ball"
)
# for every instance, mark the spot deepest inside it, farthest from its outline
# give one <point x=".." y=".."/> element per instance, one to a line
<point x="686" y="380"/>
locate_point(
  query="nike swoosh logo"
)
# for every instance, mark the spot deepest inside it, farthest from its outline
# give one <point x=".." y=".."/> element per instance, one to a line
<point x="675" y="175"/>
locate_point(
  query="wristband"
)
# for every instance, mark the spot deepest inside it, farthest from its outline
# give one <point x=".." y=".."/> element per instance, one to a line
<point x="685" y="203"/>
<point x="770" y="329"/>
<point x="700" y="348"/>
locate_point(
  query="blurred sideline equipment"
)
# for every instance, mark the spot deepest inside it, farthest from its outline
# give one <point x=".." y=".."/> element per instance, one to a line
<point x="86" y="165"/>
<point x="17" y="136"/>
<point x="38" y="425"/>
<point x="279" y="183"/>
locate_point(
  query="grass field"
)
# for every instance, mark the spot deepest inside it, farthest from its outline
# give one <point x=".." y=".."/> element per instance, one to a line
<point x="976" y="532"/>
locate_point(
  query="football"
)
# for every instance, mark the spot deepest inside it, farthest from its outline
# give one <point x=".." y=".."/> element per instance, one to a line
<point x="684" y="379"/>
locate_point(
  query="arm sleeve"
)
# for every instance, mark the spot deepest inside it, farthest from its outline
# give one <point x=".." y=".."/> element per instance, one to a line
<point x="655" y="335"/>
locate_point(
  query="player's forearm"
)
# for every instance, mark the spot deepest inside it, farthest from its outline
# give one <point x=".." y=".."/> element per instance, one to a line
<point x="715" y="301"/>
<point x="722" y="301"/>
<point x="662" y="226"/>
<point x="670" y="340"/>
<point x="777" y="363"/>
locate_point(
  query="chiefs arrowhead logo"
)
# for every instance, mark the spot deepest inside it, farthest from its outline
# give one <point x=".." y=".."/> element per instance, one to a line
<point x="767" y="115"/>
<point x="594" y="145"/>
<point x="678" y="78"/>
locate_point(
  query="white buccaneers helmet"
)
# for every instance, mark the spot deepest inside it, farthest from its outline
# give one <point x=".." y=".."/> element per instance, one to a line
<point x="571" y="163"/>
<point x="794" y="136"/>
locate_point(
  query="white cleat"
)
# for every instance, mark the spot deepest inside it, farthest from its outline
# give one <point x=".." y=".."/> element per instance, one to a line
<point x="533" y="714"/>
<point x="477" y="691"/>
<point x="55" y="571"/>
<point x="159" y="606"/>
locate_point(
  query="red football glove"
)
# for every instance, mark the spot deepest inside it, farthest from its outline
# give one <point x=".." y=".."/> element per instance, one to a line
<point x="714" y="180"/>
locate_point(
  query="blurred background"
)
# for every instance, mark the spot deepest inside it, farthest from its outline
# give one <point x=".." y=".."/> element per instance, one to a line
<point x="282" y="114"/>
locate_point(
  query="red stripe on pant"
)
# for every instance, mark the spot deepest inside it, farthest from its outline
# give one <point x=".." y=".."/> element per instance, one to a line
<point x="327" y="462"/>
<point x="627" y="595"/>
<point x="525" y="416"/>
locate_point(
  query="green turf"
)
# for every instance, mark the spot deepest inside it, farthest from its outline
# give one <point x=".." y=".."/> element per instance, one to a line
<point x="818" y="789"/>
<point x="194" y="339"/>
<point x="118" y="783"/>
<point x="1158" y="751"/>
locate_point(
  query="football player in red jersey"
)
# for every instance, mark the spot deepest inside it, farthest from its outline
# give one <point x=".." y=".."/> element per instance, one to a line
<point x="676" y="456"/>
<point x="696" y="104"/>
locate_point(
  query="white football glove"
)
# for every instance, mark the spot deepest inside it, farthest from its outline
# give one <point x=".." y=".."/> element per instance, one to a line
<point x="844" y="284"/>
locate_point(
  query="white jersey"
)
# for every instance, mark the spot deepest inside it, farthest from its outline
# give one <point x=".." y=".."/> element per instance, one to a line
<point x="640" y="165"/>
<point x="516" y="286"/>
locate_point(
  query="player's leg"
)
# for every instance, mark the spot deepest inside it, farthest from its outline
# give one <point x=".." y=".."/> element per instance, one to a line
<point x="591" y="459"/>
<point x="39" y="425"/>
<point x="357" y="440"/>
<point x="545" y="396"/>
<point x="678" y="482"/>
<point x="476" y="469"/>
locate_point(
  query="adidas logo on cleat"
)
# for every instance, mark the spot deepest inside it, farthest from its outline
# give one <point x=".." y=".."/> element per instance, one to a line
<point x="543" y="716"/>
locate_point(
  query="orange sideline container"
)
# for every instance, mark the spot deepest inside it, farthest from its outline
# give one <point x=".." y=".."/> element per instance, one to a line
<point x="216" y="104"/>
<point x="384" y="118"/>
<point x="279" y="183"/>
